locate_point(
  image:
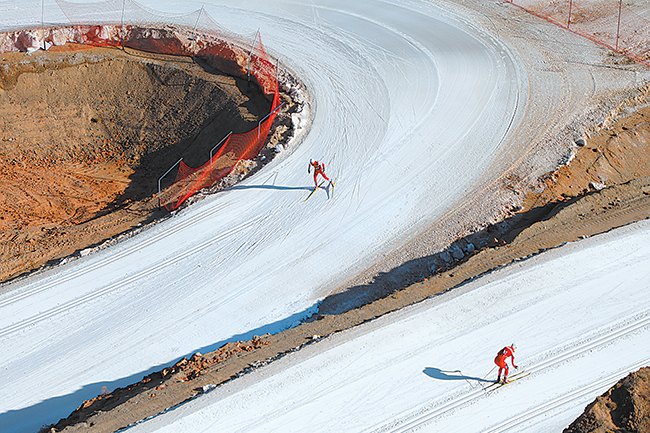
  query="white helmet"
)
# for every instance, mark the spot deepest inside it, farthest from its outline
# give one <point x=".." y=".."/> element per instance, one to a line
<point x="514" y="347"/>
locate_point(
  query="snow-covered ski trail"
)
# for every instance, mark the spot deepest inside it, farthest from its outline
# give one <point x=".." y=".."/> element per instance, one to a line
<point x="417" y="106"/>
<point x="579" y="314"/>
<point x="187" y="281"/>
<point x="409" y="424"/>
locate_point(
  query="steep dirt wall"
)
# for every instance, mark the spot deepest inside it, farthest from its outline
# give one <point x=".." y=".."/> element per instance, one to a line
<point x="623" y="408"/>
<point x="85" y="135"/>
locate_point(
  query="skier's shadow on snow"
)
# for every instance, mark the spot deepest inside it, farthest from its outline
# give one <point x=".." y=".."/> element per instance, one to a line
<point x="276" y="187"/>
<point x="283" y="188"/>
<point x="439" y="374"/>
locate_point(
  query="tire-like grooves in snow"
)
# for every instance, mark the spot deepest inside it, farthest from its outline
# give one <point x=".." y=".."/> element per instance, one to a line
<point x="552" y="361"/>
<point x="399" y="95"/>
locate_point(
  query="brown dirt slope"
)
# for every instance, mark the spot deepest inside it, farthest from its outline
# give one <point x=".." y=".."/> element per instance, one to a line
<point x="623" y="408"/>
<point x="85" y="135"/>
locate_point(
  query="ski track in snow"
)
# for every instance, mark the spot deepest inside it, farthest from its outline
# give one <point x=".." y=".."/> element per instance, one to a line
<point x="580" y="316"/>
<point x="414" y="106"/>
<point x="551" y="362"/>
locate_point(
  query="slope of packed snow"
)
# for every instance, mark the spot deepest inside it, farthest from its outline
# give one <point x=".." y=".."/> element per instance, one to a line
<point x="580" y="316"/>
<point x="411" y="106"/>
<point x="399" y="93"/>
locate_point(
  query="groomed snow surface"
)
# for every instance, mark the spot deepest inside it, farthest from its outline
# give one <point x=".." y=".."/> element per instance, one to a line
<point x="412" y="108"/>
<point x="580" y="316"/>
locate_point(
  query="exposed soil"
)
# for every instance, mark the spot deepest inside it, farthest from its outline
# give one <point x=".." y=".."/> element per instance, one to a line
<point x="86" y="134"/>
<point x="606" y="185"/>
<point x="623" y="408"/>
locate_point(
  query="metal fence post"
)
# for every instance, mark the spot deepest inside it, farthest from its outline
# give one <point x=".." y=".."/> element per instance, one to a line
<point x="122" y="27"/>
<point x="618" y="28"/>
<point x="217" y="145"/>
<point x="194" y="31"/>
<point x="43" y="21"/>
<point x="251" y="54"/>
<point x="160" y="178"/>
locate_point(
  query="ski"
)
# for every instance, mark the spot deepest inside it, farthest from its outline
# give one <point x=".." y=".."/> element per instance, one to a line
<point x="491" y="386"/>
<point x="333" y="183"/>
<point x="315" y="189"/>
<point x="513" y="378"/>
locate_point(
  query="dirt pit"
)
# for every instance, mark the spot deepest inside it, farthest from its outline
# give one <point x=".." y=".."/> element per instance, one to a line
<point x="85" y="135"/>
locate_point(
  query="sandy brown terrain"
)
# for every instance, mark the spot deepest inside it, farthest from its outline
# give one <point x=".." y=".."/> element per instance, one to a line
<point x="623" y="408"/>
<point x="86" y="133"/>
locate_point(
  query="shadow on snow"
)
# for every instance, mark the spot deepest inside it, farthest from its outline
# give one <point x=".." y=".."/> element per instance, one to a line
<point x="32" y="418"/>
<point x="436" y="373"/>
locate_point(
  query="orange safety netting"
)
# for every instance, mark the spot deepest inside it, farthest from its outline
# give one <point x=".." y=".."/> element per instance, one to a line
<point x="127" y="24"/>
<point x="236" y="147"/>
<point x="607" y="22"/>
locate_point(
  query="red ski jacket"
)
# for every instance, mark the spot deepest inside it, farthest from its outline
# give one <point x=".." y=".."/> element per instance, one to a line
<point x="318" y="167"/>
<point x="504" y="354"/>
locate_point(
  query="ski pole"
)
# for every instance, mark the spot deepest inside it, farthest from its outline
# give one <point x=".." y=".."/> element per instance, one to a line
<point x="489" y="372"/>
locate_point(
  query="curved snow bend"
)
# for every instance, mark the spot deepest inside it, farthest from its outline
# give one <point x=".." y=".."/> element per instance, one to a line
<point x="411" y="107"/>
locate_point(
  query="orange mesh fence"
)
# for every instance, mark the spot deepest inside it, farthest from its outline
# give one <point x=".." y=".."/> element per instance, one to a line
<point x="262" y="68"/>
<point x="607" y="22"/>
<point x="236" y="148"/>
<point x="126" y="23"/>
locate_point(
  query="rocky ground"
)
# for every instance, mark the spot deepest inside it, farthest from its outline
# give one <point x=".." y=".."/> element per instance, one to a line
<point x="623" y="408"/>
<point x="77" y="173"/>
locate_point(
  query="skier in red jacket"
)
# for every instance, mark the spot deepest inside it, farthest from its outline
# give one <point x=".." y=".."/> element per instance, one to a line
<point x="318" y="169"/>
<point x="500" y="360"/>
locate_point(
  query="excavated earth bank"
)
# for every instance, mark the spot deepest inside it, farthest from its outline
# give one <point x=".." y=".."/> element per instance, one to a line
<point x="623" y="408"/>
<point x="606" y="185"/>
<point x="86" y="133"/>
